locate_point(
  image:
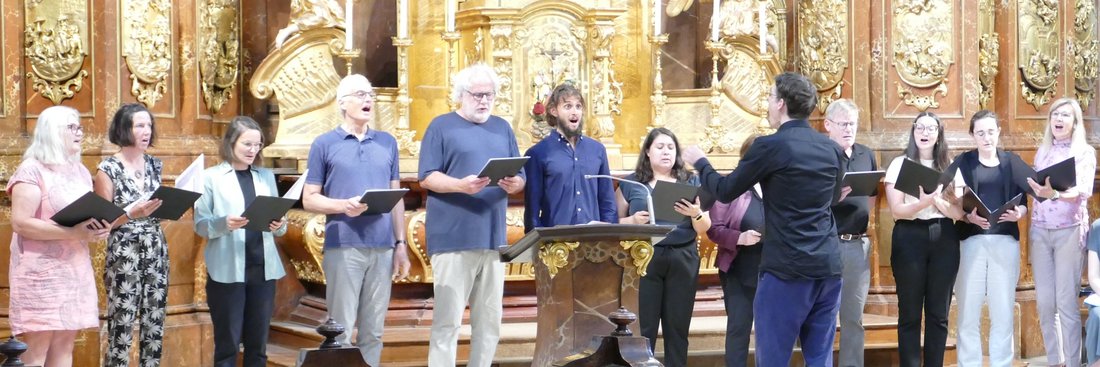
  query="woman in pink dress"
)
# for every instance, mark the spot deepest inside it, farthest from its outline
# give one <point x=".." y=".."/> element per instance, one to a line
<point x="53" y="291"/>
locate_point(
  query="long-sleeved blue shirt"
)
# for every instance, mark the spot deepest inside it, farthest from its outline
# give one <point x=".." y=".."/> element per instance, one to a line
<point x="557" y="192"/>
<point x="800" y="171"/>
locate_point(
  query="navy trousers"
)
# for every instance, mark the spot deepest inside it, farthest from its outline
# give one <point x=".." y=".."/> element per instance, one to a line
<point x="805" y="309"/>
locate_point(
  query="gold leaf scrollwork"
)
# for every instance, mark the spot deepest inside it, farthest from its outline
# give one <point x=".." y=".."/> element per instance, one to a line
<point x="307" y="271"/>
<point x="1038" y="49"/>
<point x="923" y="34"/>
<point x="641" y="252"/>
<point x="922" y="103"/>
<point x="500" y="37"/>
<point x="147" y="40"/>
<point x="607" y="92"/>
<point x="1040" y="78"/>
<point x="219" y="52"/>
<point x="55" y="44"/>
<point x="988" y="54"/>
<point x="1085" y="50"/>
<point x="556" y="255"/>
<point x="823" y="46"/>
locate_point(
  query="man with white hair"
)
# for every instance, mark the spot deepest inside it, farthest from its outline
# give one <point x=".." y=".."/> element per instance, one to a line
<point x="363" y="254"/>
<point x="466" y="217"/>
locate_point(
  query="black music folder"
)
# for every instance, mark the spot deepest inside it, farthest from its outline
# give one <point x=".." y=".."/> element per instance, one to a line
<point x="174" y="202"/>
<point x="498" y="168"/>
<point x="1063" y="175"/>
<point x="264" y="210"/>
<point x="971" y="201"/>
<point x="86" y="207"/>
<point x="863" y="183"/>
<point x="381" y="200"/>
<point x="914" y="174"/>
<point x="665" y="196"/>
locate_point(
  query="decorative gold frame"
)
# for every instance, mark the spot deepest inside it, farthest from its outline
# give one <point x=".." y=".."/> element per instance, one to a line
<point x="219" y="50"/>
<point x="923" y="35"/>
<point x="1085" y="52"/>
<point x="823" y="46"/>
<point x="56" y="43"/>
<point x="147" y="47"/>
<point x="1037" y="50"/>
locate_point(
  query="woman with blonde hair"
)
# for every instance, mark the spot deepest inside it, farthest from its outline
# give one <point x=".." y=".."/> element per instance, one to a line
<point x="52" y="283"/>
<point x="1056" y="238"/>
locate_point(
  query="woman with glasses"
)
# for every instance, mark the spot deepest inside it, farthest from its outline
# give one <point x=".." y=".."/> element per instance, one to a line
<point x="990" y="250"/>
<point x="136" y="276"/>
<point x="667" y="292"/>
<point x="52" y="284"/>
<point x="925" y="247"/>
<point x="242" y="265"/>
<point x="1056" y="236"/>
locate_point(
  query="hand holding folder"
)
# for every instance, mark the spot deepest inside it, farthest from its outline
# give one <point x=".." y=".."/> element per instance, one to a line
<point x="498" y="168"/>
<point x="667" y="194"/>
<point x="267" y="209"/>
<point x="863" y="183"/>
<point x="175" y="201"/>
<point x="381" y="201"/>
<point x="1060" y="176"/>
<point x="971" y="201"/>
<point x="913" y="175"/>
<point x="88" y="206"/>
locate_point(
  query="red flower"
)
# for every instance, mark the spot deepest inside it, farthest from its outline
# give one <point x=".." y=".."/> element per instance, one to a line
<point x="538" y="109"/>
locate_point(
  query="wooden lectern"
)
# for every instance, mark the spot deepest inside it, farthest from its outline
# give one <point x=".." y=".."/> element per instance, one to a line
<point x="583" y="273"/>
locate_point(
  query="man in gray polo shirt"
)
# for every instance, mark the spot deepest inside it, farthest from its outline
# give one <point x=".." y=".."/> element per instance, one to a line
<point x="363" y="254"/>
<point x="465" y="224"/>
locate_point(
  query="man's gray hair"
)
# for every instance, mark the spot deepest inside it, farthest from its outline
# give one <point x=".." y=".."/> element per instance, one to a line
<point x="350" y="84"/>
<point x="464" y="78"/>
<point x="843" y="107"/>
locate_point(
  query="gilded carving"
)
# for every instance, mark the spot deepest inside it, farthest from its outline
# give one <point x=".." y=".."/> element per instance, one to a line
<point x="554" y="54"/>
<point x="308" y="271"/>
<point x="823" y="46"/>
<point x="1038" y="50"/>
<point x="1085" y="52"/>
<point x="306" y="15"/>
<point x="641" y="252"/>
<point x="500" y="36"/>
<point x="922" y="102"/>
<point x="219" y="51"/>
<point x="55" y="43"/>
<point x="988" y="54"/>
<point x="607" y="92"/>
<point x="923" y="35"/>
<point x="745" y="82"/>
<point x="147" y="47"/>
<point x="556" y="255"/>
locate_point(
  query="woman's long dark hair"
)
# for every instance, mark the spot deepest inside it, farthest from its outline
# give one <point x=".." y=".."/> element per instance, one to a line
<point x="643" y="171"/>
<point x="939" y="151"/>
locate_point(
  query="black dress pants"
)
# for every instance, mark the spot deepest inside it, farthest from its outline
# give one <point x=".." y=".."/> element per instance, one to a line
<point x="925" y="260"/>
<point x="738" y="298"/>
<point x="241" y="314"/>
<point x="666" y="297"/>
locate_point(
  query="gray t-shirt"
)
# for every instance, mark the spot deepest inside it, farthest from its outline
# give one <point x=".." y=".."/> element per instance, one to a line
<point x="459" y="148"/>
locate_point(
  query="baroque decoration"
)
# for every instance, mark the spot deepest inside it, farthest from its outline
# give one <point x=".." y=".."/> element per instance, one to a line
<point x="1085" y="50"/>
<point x="556" y="255"/>
<point x="823" y="46"/>
<point x="554" y="53"/>
<point x="988" y="52"/>
<point x="55" y="44"/>
<point x="923" y="34"/>
<point x="219" y="51"/>
<point x="147" y="47"/>
<point x="1038" y="50"/>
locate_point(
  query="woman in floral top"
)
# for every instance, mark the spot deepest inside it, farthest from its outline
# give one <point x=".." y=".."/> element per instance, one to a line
<point x="50" y="274"/>
<point x="137" y="257"/>
<point x="1058" y="226"/>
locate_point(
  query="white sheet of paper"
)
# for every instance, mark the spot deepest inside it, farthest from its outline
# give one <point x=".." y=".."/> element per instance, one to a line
<point x="295" y="191"/>
<point x="191" y="178"/>
<point x="1093" y="300"/>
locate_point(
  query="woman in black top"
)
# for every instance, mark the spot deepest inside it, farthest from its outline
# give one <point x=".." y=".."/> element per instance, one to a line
<point x="990" y="250"/>
<point x="667" y="291"/>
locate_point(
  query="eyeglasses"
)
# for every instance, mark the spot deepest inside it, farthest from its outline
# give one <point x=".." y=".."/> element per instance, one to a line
<point x="75" y="128"/>
<point x="482" y="96"/>
<point x="1064" y="115"/>
<point x="845" y="124"/>
<point x="253" y="146"/>
<point x="985" y="133"/>
<point x="931" y="129"/>
<point x="362" y="95"/>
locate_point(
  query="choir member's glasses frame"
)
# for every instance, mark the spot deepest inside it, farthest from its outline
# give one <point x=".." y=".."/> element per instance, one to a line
<point x="362" y="95"/>
<point x="931" y="129"/>
<point x="487" y="96"/>
<point x="844" y="124"/>
<point x="253" y="146"/>
<point x="75" y="128"/>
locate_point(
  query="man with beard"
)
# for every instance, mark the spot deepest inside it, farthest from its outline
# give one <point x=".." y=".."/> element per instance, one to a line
<point x="363" y="253"/>
<point x="557" y="192"/>
<point x="466" y="217"/>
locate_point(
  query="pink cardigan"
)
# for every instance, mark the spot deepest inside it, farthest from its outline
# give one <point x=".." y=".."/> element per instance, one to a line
<point x="725" y="228"/>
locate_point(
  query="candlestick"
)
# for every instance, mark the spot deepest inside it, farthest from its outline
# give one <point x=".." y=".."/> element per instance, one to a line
<point x="452" y="6"/>
<point x="715" y="18"/>
<point x="403" y="19"/>
<point x="658" y="98"/>
<point x="348" y="24"/>
<point x="763" y="28"/>
<point x="656" y="17"/>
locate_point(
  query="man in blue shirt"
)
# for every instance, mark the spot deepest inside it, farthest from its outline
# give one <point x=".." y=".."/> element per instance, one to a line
<point x="800" y="171"/>
<point x="363" y="254"/>
<point x="557" y="192"/>
<point x="465" y="223"/>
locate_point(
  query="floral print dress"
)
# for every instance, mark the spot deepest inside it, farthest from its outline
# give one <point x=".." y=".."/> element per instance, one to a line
<point x="136" y="268"/>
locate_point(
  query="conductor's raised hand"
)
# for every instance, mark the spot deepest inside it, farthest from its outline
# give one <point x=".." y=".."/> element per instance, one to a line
<point x="692" y="154"/>
<point x="352" y="207"/>
<point x="472" y="184"/>
<point x="512" y="184"/>
<point x="235" y="222"/>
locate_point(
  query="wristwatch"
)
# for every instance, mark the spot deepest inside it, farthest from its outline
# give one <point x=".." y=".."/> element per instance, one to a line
<point x="1056" y="195"/>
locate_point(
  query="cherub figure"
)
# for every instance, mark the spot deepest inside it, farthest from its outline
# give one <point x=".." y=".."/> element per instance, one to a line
<point x="311" y="14"/>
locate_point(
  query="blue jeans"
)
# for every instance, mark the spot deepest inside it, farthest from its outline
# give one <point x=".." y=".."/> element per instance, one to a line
<point x="798" y="308"/>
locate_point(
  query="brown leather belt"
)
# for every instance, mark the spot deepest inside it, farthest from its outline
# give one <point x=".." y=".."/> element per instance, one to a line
<point x="850" y="237"/>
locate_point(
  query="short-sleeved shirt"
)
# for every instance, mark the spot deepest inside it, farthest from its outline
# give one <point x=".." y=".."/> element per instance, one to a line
<point x="635" y="197"/>
<point x="853" y="212"/>
<point x="1093" y="242"/>
<point x="458" y="148"/>
<point x="557" y="191"/>
<point x="929" y="212"/>
<point x="345" y="167"/>
<point x="1064" y="213"/>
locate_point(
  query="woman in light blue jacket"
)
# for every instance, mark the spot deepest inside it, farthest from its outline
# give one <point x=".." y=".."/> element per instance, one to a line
<point x="242" y="264"/>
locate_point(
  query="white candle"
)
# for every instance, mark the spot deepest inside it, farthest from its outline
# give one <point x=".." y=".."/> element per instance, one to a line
<point x="763" y="29"/>
<point x="656" y="17"/>
<point x="348" y="24"/>
<point x="403" y="19"/>
<point x="452" y="6"/>
<point x="715" y="17"/>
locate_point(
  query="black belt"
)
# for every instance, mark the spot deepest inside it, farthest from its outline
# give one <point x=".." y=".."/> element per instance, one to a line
<point x="850" y="237"/>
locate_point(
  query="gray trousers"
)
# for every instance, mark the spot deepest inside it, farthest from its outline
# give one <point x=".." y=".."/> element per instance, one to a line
<point x="1057" y="256"/>
<point x="357" y="291"/>
<point x="855" y="280"/>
